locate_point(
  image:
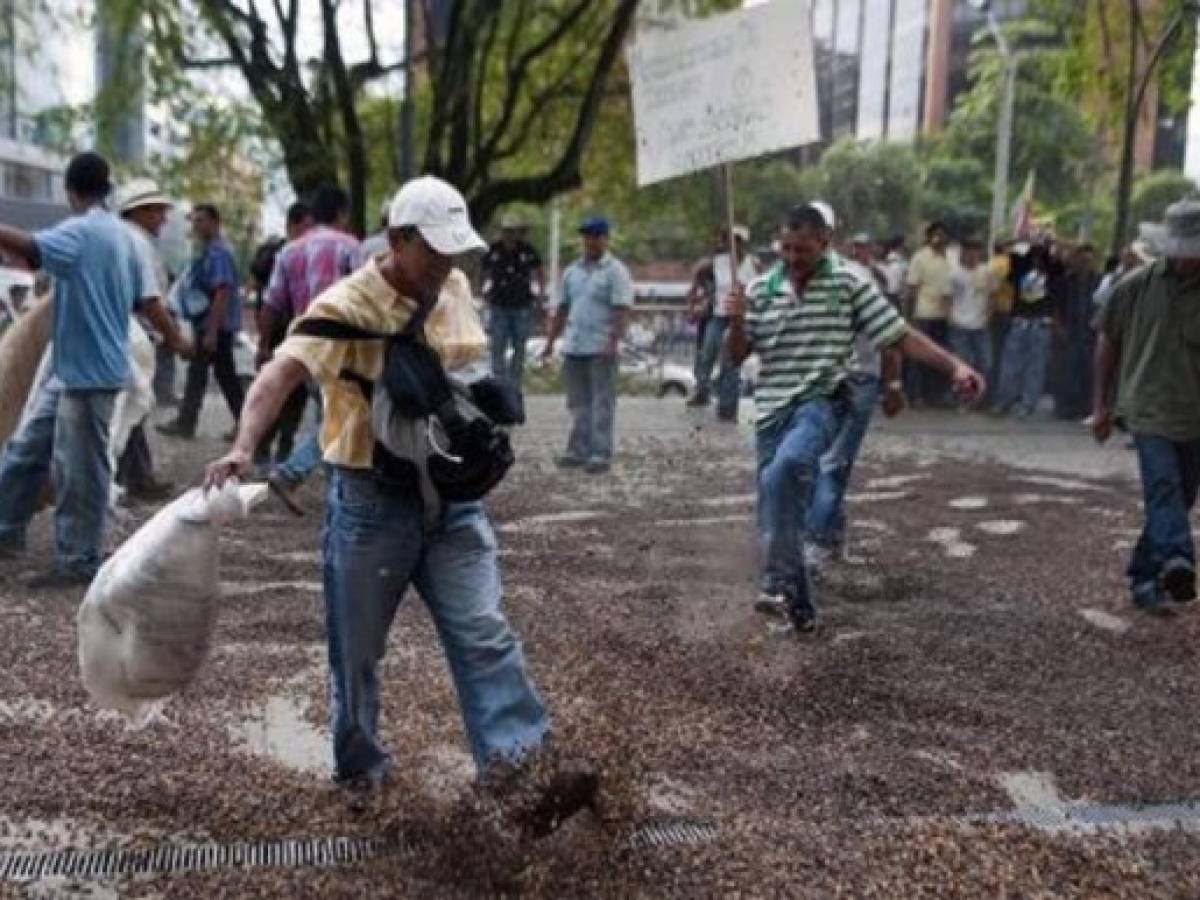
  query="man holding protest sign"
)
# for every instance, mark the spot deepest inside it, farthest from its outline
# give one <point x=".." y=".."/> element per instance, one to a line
<point x="802" y="318"/>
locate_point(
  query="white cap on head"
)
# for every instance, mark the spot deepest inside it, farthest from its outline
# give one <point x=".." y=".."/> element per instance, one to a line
<point x="439" y="212"/>
<point x="139" y="192"/>
<point x="827" y="211"/>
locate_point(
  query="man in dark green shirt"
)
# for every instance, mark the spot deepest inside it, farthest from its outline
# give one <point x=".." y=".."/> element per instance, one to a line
<point x="1150" y="343"/>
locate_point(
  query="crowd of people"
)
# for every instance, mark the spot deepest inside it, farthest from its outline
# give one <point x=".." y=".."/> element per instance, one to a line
<point x="840" y="327"/>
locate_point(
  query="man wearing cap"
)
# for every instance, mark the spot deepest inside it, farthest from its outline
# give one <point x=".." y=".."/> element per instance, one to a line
<point x="143" y="208"/>
<point x="712" y="348"/>
<point x="376" y="542"/>
<point x="593" y="310"/>
<point x="802" y="318"/>
<point x="1149" y="345"/>
<point x="214" y="306"/>
<point x="99" y="278"/>
<point x="305" y="268"/>
<point x="510" y="265"/>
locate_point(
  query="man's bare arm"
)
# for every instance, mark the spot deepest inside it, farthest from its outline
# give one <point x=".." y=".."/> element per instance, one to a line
<point x="156" y="313"/>
<point x="968" y="383"/>
<point x="19" y="243"/>
<point x="270" y="389"/>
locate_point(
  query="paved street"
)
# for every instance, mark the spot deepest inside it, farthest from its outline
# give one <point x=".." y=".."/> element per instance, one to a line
<point x="981" y="713"/>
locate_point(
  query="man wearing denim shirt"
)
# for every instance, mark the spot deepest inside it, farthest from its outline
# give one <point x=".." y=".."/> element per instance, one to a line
<point x="1149" y="350"/>
<point x="597" y="294"/>
<point x="213" y="275"/>
<point x="377" y="538"/>
<point x="99" y="278"/>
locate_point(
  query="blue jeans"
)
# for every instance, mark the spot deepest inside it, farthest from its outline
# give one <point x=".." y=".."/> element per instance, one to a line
<point x="1023" y="368"/>
<point x="1170" y="473"/>
<point x="591" y="383"/>
<point x="974" y="347"/>
<point x="375" y="547"/>
<point x="789" y="455"/>
<point x="510" y="326"/>
<point x="66" y="436"/>
<point x="712" y="350"/>
<point x="306" y="456"/>
<point x="826" y="523"/>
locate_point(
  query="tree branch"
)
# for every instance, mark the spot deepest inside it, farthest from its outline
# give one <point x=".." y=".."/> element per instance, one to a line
<point x="565" y="174"/>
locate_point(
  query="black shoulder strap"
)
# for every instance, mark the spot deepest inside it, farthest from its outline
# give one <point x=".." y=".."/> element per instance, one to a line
<point x="333" y="330"/>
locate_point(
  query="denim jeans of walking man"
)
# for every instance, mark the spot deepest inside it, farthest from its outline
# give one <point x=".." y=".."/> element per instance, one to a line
<point x="384" y="535"/>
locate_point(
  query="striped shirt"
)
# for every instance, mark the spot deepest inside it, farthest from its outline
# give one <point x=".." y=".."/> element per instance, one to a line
<point x="806" y="343"/>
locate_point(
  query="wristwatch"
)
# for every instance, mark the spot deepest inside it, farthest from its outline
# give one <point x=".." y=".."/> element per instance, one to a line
<point x="894" y="386"/>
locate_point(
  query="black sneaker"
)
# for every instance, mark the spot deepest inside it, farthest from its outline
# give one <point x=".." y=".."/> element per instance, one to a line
<point x="700" y="398"/>
<point x="1178" y="579"/>
<point x="175" y="429"/>
<point x="569" y="461"/>
<point x="803" y="616"/>
<point x="597" y="466"/>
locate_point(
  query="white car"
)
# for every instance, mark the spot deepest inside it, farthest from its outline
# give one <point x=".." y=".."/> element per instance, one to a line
<point x="667" y="378"/>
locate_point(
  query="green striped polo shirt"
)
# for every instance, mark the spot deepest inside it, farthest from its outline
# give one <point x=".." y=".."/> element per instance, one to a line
<point x="806" y="343"/>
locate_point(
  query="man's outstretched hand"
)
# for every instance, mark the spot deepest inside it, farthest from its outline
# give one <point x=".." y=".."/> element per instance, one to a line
<point x="968" y="384"/>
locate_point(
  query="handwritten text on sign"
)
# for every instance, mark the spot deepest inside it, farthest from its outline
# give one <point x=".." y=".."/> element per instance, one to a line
<point x="724" y="88"/>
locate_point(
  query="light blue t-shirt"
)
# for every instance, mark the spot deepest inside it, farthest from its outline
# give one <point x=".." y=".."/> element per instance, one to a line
<point x="591" y="292"/>
<point x="215" y="267"/>
<point x="98" y="280"/>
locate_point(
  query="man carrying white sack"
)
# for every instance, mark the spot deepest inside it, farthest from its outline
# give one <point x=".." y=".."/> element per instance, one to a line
<point x="377" y="539"/>
<point x="98" y="281"/>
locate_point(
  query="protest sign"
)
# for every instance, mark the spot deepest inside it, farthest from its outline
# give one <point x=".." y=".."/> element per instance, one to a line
<point x="725" y="88"/>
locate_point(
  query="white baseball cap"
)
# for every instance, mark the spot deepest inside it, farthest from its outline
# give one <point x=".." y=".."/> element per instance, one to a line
<point x="139" y="192"/>
<point x="439" y="212"/>
<point x="826" y="212"/>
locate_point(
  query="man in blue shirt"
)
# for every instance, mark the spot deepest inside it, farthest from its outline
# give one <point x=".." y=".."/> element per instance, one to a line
<point x="214" y="307"/>
<point x="597" y="294"/>
<point x="98" y="280"/>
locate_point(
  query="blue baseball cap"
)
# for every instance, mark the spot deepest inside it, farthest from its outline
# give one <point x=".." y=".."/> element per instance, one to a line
<point x="596" y="225"/>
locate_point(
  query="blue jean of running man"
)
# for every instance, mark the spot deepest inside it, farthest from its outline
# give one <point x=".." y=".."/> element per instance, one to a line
<point x="306" y="455"/>
<point x="65" y="435"/>
<point x="375" y="548"/>
<point x="591" y="383"/>
<point x="712" y="351"/>
<point x="789" y="454"/>
<point x="1170" y="472"/>
<point x="510" y="326"/>
<point x="1023" y="368"/>
<point x="826" y="524"/>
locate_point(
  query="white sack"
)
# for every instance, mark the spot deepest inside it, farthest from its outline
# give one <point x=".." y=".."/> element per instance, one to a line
<point x="135" y="402"/>
<point x="21" y="350"/>
<point x="147" y="621"/>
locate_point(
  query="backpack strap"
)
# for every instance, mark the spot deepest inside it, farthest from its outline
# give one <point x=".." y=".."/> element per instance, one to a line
<point x="333" y="330"/>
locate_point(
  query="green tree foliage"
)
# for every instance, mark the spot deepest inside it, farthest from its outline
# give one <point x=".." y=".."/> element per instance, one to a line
<point x="1155" y="191"/>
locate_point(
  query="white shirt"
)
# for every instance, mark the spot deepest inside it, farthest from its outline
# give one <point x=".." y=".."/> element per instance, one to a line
<point x="970" y="291"/>
<point x="747" y="272"/>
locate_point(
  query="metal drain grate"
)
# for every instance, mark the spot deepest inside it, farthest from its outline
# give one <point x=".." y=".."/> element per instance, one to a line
<point x="672" y="834"/>
<point x="169" y="858"/>
<point x="24" y="866"/>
